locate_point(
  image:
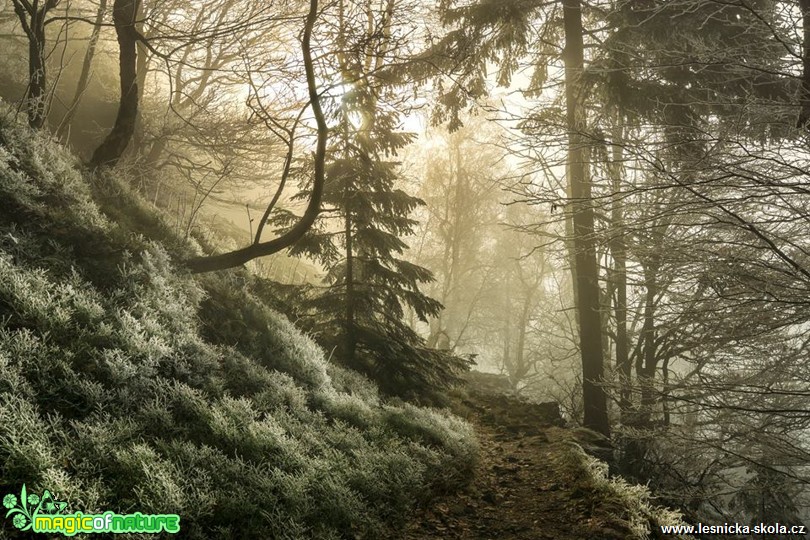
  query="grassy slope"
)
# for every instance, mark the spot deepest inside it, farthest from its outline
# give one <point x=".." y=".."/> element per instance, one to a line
<point x="126" y="385"/>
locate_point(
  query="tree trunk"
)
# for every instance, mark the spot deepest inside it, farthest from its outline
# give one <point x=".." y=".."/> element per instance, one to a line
<point x="646" y="372"/>
<point x="350" y="338"/>
<point x="507" y="346"/>
<point x="804" y="95"/>
<point x="32" y="20"/>
<point x="255" y="250"/>
<point x="521" y="369"/>
<point x="36" y="72"/>
<point x="142" y="70"/>
<point x="587" y="271"/>
<point x="618" y="250"/>
<point x="111" y="150"/>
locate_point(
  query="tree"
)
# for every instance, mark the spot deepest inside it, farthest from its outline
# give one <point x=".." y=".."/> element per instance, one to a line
<point x="33" y="18"/>
<point x="520" y="268"/>
<point x="586" y="270"/>
<point x="709" y="221"/>
<point x="111" y="149"/>
<point x="87" y="63"/>
<point x="459" y="177"/>
<point x="295" y="233"/>
<point x="504" y="34"/>
<point x="193" y="141"/>
<point x="359" y="312"/>
<point x="804" y="96"/>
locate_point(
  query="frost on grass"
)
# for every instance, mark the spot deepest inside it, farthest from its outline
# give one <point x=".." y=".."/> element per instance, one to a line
<point x="626" y="506"/>
<point x="126" y="384"/>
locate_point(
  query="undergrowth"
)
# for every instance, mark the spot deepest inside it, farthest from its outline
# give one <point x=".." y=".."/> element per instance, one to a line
<point x="617" y="504"/>
<point x="128" y="385"/>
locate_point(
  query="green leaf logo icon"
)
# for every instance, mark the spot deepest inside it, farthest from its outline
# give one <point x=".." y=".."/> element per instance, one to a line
<point x="19" y="511"/>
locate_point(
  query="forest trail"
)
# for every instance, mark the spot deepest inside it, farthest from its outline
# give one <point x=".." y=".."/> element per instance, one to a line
<point x="520" y="491"/>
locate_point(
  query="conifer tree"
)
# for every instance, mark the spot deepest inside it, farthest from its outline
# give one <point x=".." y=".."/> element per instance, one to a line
<point x="359" y="312"/>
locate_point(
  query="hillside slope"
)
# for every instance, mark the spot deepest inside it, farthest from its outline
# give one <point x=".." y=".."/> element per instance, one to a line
<point x="128" y="385"/>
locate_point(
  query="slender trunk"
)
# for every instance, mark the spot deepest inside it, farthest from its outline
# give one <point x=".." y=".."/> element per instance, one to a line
<point x="350" y="332"/>
<point x="141" y="68"/>
<point x="571" y="251"/>
<point x="521" y="366"/>
<point x="804" y="95"/>
<point x="112" y="148"/>
<point x="32" y="19"/>
<point x="646" y="372"/>
<point x="36" y="72"/>
<point x="665" y="391"/>
<point x="507" y="328"/>
<point x="458" y="227"/>
<point x="350" y="342"/>
<point x="587" y="271"/>
<point x="507" y="347"/>
<point x="605" y="305"/>
<point x="84" y="76"/>
<point x="618" y="250"/>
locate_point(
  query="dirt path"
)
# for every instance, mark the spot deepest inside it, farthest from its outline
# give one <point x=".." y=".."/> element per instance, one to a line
<point x="519" y="492"/>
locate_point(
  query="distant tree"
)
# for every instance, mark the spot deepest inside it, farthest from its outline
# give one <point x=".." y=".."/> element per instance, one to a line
<point x="459" y="183"/>
<point x="804" y="94"/>
<point x="520" y="268"/>
<point x="87" y="63"/>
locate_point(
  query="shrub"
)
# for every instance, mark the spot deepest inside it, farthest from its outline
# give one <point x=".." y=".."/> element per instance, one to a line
<point x="127" y="385"/>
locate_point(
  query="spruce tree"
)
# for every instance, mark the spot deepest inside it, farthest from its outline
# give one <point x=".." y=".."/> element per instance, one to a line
<point x="359" y="312"/>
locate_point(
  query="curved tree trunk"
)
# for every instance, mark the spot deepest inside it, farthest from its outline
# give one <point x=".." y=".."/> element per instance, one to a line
<point x="261" y="249"/>
<point x="111" y="150"/>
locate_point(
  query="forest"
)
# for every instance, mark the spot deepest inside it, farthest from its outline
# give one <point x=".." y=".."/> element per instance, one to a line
<point x="410" y="269"/>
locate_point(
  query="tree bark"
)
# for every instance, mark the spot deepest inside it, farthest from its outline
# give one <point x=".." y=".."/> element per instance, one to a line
<point x="112" y="148"/>
<point x="646" y="371"/>
<point x="587" y="270"/>
<point x="36" y="71"/>
<point x="350" y="338"/>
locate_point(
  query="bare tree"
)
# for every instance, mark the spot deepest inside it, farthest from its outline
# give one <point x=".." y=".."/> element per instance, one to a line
<point x="586" y="269"/>
<point x="33" y="18"/>
<point x="87" y="64"/>
<point x="113" y="146"/>
<point x="263" y="248"/>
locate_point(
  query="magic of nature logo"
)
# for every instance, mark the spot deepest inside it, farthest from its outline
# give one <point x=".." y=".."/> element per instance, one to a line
<point x="45" y="514"/>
